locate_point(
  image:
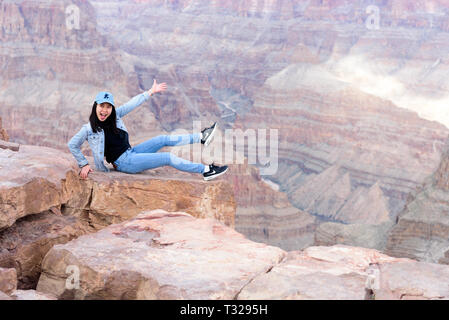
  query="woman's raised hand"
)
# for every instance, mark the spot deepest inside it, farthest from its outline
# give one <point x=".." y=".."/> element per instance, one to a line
<point x="157" y="87"/>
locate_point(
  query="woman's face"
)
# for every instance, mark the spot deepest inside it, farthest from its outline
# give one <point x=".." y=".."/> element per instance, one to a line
<point x="104" y="110"/>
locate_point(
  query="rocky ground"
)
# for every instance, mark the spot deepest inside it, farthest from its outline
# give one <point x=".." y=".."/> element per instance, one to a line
<point x="120" y="236"/>
<point x="422" y="229"/>
<point x="172" y="255"/>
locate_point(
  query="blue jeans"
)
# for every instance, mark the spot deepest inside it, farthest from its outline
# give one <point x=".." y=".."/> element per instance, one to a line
<point x="144" y="156"/>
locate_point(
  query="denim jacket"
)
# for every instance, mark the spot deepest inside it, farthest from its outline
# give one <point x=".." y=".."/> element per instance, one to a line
<point x="96" y="140"/>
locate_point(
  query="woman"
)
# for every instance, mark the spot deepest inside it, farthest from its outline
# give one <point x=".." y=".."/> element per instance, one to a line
<point x="108" y="137"/>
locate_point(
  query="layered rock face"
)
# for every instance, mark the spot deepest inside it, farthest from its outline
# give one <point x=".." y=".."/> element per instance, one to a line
<point x="264" y="213"/>
<point x="54" y="63"/>
<point x="355" y="234"/>
<point x="422" y="229"/>
<point x="350" y="150"/>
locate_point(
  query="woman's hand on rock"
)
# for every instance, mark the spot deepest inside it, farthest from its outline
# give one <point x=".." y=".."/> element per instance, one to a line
<point x="85" y="171"/>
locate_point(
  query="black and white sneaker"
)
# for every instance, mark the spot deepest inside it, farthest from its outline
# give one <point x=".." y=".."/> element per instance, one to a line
<point x="208" y="134"/>
<point x="214" y="172"/>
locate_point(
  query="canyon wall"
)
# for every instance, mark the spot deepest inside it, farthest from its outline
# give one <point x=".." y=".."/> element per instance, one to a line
<point x="53" y="67"/>
<point x="357" y="108"/>
<point x="422" y="228"/>
<point x="352" y="142"/>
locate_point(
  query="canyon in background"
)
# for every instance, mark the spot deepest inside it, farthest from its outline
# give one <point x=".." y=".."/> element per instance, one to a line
<point x="360" y="109"/>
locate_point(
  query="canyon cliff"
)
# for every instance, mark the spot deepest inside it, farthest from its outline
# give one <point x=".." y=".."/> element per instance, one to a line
<point x="357" y="108"/>
<point x="355" y="105"/>
<point x="422" y="228"/>
<point x="125" y="238"/>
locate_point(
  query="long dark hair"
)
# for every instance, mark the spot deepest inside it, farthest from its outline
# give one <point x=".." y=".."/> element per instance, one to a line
<point x="98" y="125"/>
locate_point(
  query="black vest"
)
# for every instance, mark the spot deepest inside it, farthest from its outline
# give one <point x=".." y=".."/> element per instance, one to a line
<point x="115" y="143"/>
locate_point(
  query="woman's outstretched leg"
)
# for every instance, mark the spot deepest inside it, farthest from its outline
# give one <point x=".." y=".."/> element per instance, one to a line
<point x="138" y="162"/>
<point x="156" y="143"/>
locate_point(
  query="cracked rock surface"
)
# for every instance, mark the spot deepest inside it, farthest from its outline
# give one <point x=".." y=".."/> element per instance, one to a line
<point x="157" y="255"/>
<point x="172" y="255"/>
<point x="349" y="273"/>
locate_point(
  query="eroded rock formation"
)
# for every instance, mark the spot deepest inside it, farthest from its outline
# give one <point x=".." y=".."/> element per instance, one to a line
<point x="44" y="202"/>
<point x="158" y="255"/>
<point x="264" y="213"/>
<point x="44" y="178"/>
<point x="343" y="272"/>
<point x="162" y="255"/>
<point x="422" y="229"/>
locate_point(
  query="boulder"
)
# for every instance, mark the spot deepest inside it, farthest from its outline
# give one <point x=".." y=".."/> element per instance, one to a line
<point x="156" y="255"/>
<point x="36" y="179"/>
<point x="33" y="180"/>
<point x="349" y="273"/>
<point x="25" y="244"/>
<point x="114" y="197"/>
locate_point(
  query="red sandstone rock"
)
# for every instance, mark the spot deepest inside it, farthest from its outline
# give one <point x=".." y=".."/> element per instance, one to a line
<point x="158" y="255"/>
<point x="32" y="180"/>
<point x="45" y="178"/>
<point x="343" y="272"/>
<point x="28" y="240"/>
